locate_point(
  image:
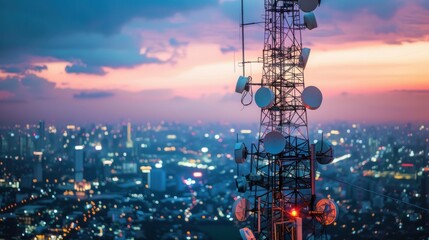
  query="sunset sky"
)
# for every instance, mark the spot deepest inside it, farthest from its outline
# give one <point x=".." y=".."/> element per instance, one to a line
<point x="76" y="61"/>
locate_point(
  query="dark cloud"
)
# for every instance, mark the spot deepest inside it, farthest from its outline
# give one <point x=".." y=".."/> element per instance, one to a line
<point x="93" y="95"/>
<point x="9" y="84"/>
<point x="22" y="69"/>
<point x="384" y="9"/>
<point x="253" y="11"/>
<point x="78" y="31"/>
<point x="419" y="91"/>
<point x="37" y="84"/>
<point x="424" y="3"/>
<point x="156" y="94"/>
<point x="176" y="43"/>
<point x="385" y="29"/>
<point x="347" y="21"/>
<point x="228" y="49"/>
<point x="389" y="21"/>
<point x="180" y="99"/>
<point x="81" y="68"/>
<point x="96" y="51"/>
<point x="27" y="87"/>
<point x="29" y="21"/>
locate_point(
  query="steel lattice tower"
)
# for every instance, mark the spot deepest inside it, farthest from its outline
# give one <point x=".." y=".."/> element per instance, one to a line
<point x="288" y="173"/>
<point x="282" y="183"/>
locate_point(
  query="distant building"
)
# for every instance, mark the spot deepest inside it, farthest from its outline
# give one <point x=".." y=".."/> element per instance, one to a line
<point x="41" y="137"/>
<point x="129" y="168"/>
<point x="37" y="167"/>
<point x="78" y="163"/>
<point x="129" y="143"/>
<point x="26" y="181"/>
<point x="157" y="180"/>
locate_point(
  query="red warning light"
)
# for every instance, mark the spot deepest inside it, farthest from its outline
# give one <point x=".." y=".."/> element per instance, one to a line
<point x="294" y="213"/>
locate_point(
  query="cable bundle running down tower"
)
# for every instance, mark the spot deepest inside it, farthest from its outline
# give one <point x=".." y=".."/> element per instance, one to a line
<point x="282" y="175"/>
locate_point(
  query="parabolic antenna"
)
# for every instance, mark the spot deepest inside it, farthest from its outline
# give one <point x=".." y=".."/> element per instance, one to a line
<point x="324" y="152"/>
<point x="310" y="21"/>
<point x="240" y="152"/>
<point x="312" y="97"/>
<point x="329" y="209"/>
<point x="264" y="97"/>
<point x="303" y="57"/>
<point x="247" y="234"/>
<point x="240" y="209"/>
<point x="242" y="84"/>
<point x="308" y="5"/>
<point x="274" y="142"/>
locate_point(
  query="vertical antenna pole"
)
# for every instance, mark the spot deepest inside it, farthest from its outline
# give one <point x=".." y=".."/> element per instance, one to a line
<point x="259" y="215"/>
<point x="242" y="38"/>
<point x="313" y="174"/>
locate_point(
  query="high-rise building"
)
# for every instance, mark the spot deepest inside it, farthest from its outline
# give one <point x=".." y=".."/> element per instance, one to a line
<point x="129" y="143"/>
<point x="425" y="189"/>
<point x="157" y="180"/>
<point x="37" y="166"/>
<point x="78" y="163"/>
<point x="41" y="140"/>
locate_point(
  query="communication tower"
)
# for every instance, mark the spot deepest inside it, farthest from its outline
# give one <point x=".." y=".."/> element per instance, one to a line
<point x="279" y="192"/>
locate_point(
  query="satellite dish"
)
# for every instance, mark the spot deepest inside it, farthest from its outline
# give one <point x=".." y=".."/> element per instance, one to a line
<point x="240" y="209"/>
<point x="303" y="57"/>
<point x="264" y="98"/>
<point x="242" y="84"/>
<point x="312" y="97"/>
<point x="329" y="211"/>
<point x="310" y="21"/>
<point x="274" y="142"/>
<point x="240" y="152"/>
<point x="324" y="152"/>
<point x="247" y="234"/>
<point x="308" y="5"/>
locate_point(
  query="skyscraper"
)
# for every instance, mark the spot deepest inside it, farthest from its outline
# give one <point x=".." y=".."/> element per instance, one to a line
<point x="78" y="163"/>
<point x="129" y="143"/>
<point x="41" y="140"/>
<point x="37" y="167"/>
<point x="157" y="180"/>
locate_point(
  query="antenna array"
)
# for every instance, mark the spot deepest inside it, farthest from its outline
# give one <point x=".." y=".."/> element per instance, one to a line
<point x="281" y="179"/>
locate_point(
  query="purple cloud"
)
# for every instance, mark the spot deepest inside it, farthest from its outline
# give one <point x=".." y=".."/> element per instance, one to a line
<point x="228" y="49"/>
<point x="27" y="87"/>
<point x="81" y="68"/>
<point x="22" y="69"/>
<point x="93" y="95"/>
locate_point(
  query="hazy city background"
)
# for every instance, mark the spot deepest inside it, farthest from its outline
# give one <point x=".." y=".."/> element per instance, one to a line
<point x="176" y="181"/>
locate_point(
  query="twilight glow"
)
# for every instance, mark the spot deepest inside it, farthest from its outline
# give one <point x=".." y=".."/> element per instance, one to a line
<point x="178" y="61"/>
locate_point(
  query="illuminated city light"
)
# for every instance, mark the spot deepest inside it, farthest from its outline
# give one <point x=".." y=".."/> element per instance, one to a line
<point x="79" y="147"/>
<point x="171" y="136"/>
<point x="246" y="131"/>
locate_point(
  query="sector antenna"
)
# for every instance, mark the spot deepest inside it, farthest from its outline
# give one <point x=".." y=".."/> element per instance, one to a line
<point x="280" y="186"/>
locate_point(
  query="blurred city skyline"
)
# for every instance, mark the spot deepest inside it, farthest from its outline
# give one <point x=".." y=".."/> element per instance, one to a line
<point x="150" y="61"/>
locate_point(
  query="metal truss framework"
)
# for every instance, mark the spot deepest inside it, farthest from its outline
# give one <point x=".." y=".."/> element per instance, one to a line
<point x="283" y="180"/>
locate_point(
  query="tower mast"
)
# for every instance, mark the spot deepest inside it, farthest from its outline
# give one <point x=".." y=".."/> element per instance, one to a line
<point x="282" y="163"/>
<point x="287" y="172"/>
